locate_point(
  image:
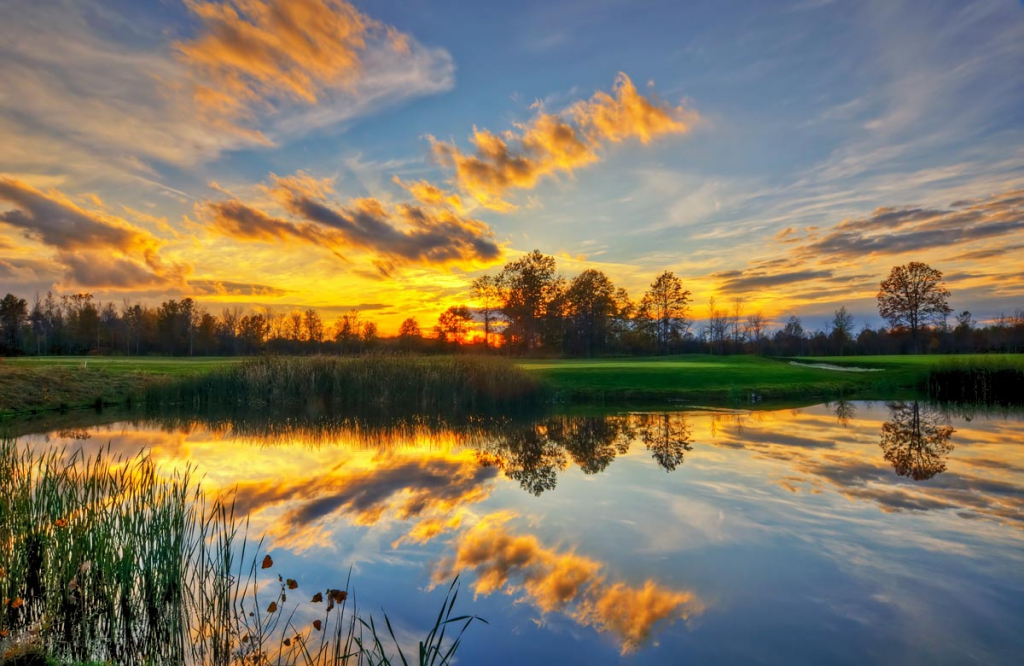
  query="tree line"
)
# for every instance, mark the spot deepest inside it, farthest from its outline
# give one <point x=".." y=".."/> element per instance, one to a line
<point x="527" y="308"/>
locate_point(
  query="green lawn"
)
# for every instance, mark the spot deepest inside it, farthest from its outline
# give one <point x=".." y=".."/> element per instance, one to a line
<point x="715" y="378"/>
<point x="160" y="365"/>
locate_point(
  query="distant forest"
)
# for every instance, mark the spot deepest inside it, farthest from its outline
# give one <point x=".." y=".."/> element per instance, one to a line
<point x="525" y="309"/>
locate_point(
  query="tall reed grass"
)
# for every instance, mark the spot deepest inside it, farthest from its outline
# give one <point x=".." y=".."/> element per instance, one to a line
<point x="103" y="559"/>
<point x="393" y="384"/>
<point x="996" y="380"/>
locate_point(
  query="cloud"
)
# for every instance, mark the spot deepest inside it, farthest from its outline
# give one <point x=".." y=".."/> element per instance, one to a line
<point x="255" y="50"/>
<point x="96" y="249"/>
<point x="557" y="143"/>
<point x="90" y="100"/>
<point x="430" y="195"/>
<point x="557" y="581"/>
<point x="395" y="234"/>
<point x="743" y="281"/>
<point x="228" y="288"/>
<point x="429" y="488"/>
<point x="890" y="231"/>
<point x="252" y="56"/>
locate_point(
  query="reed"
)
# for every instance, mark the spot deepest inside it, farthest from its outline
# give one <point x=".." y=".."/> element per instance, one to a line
<point x="392" y="384"/>
<point x="995" y="380"/>
<point x="103" y="559"/>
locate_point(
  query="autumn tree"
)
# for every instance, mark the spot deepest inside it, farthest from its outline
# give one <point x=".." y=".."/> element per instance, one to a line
<point x="664" y="308"/>
<point x="915" y="440"/>
<point x="912" y="297"/>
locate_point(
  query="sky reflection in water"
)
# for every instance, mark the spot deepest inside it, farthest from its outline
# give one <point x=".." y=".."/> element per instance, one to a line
<point x="840" y="533"/>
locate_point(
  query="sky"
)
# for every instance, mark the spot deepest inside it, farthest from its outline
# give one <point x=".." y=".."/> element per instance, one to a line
<point x="381" y="155"/>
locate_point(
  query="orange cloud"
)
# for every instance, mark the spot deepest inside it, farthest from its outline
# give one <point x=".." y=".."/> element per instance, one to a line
<point x="428" y="488"/>
<point x="562" y="581"/>
<point x="96" y="249"/>
<point x="256" y="51"/>
<point x="551" y="144"/>
<point x="431" y="195"/>
<point x="398" y="234"/>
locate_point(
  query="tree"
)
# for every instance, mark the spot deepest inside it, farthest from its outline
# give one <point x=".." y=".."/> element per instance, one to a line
<point x="527" y="287"/>
<point x="842" y="329"/>
<point x="664" y="308"/>
<point x="487" y="293"/>
<point x="370" y="334"/>
<point x="590" y="307"/>
<point x="756" y="326"/>
<point x="912" y="297"/>
<point x="916" y="440"/>
<point x="409" y="334"/>
<point x="718" y="326"/>
<point x="314" y="326"/>
<point x="13" y="314"/>
<point x="453" y="324"/>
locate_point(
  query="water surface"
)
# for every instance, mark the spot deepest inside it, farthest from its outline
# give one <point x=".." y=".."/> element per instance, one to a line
<point x="842" y="533"/>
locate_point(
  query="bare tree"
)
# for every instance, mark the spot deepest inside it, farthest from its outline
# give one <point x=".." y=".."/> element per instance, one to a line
<point x="756" y="325"/>
<point x="842" y="329"/>
<point x="488" y="299"/>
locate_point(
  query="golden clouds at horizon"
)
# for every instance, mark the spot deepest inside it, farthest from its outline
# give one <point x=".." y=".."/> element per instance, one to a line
<point x="251" y="52"/>
<point x="550" y="144"/>
<point x="562" y="581"/>
<point x="96" y="249"/>
<point x="393" y="234"/>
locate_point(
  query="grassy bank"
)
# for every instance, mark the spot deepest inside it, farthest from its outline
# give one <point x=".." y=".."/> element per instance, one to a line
<point x="992" y="381"/>
<point x="52" y="383"/>
<point x="42" y="384"/>
<point x="103" y="560"/>
<point x="392" y="384"/>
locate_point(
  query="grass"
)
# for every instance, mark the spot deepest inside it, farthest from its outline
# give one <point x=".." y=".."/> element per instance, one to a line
<point x="104" y="561"/>
<point x="50" y="383"/>
<point x="54" y="383"/>
<point x="997" y="380"/>
<point x="702" y="378"/>
<point x="389" y="384"/>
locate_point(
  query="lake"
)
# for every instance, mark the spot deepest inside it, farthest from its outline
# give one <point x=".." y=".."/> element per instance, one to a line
<point x="841" y="533"/>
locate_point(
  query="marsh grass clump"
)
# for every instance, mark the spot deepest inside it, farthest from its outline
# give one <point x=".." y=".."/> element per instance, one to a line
<point x="390" y="384"/>
<point x="95" y="555"/>
<point x="996" y="380"/>
<point x="103" y="560"/>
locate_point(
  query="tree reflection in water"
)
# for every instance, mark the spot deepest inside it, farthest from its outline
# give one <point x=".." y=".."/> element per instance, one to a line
<point x="534" y="454"/>
<point x="529" y="450"/>
<point x="915" y="440"/>
<point x="844" y="410"/>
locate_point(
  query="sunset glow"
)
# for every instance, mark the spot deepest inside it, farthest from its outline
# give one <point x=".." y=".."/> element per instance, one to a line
<point x="272" y="154"/>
